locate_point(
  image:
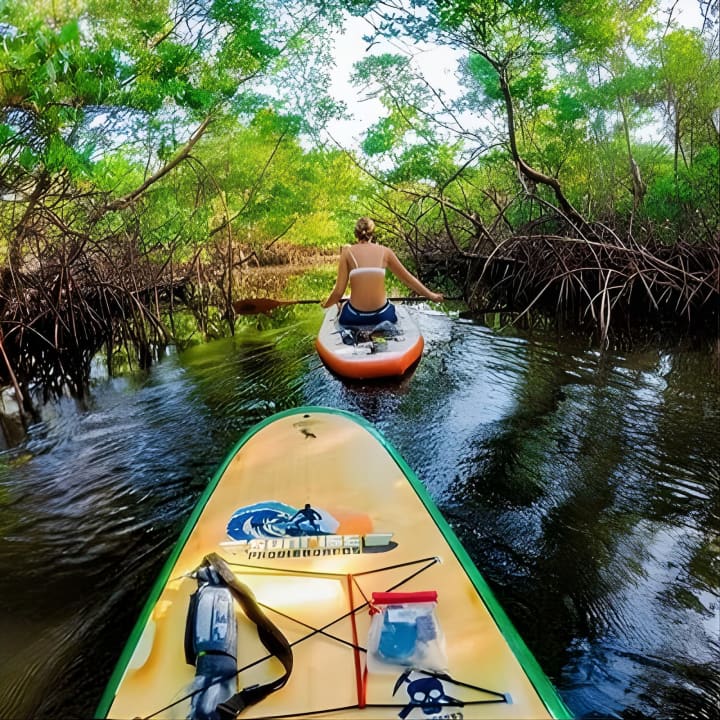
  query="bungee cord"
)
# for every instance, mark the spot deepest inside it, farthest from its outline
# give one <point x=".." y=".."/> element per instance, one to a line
<point x="352" y="578"/>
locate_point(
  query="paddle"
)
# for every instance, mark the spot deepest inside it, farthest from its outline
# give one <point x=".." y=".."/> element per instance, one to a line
<point x="255" y="306"/>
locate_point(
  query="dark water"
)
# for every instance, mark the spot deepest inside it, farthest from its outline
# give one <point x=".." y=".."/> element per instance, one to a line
<point x="585" y="487"/>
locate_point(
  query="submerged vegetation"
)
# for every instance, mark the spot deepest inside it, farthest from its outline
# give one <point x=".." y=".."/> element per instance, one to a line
<point x="151" y="154"/>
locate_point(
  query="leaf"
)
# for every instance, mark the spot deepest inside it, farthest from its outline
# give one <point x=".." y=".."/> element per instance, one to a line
<point x="70" y="32"/>
<point x="27" y="159"/>
<point x="50" y="71"/>
<point x="6" y="132"/>
<point x="55" y="154"/>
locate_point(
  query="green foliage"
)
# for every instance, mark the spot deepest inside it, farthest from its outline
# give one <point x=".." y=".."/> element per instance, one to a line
<point x="315" y="283"/>
<point x="82" y="78"/>
<point x="485" y="75"/>
<point x="386" y="134"/>
<point x="246" y="47"/>
<point x="570" y="109"/>
<point x="260" y="184"/>
<point x="688" y="90"/>
<point x="680" y="206"/>
<point x="426" y="162"/>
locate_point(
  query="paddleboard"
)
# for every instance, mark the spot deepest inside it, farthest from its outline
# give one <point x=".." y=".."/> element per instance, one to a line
<point x="317" y="516"/>
<point x="365" y="354"/>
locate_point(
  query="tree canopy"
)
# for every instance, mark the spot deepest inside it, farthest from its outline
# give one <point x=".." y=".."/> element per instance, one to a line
<point x="149" y="152"/>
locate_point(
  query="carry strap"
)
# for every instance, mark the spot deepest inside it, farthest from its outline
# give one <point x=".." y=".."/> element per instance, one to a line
<point x="273" y="640"/>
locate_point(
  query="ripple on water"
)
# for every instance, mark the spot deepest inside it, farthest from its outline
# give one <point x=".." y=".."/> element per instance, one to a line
<point x="584" y="486"/>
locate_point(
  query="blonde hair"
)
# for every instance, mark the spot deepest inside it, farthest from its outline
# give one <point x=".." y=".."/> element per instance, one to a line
<point x="365" y="229"/>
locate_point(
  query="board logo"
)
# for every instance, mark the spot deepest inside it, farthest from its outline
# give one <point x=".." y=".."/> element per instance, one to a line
<point x="272" y="530"/>
<point x="273" y="519"/>
<point x="427" y="694"/>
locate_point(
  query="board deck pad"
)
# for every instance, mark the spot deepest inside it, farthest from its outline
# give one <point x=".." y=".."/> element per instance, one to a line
<point x="314" y="511"/>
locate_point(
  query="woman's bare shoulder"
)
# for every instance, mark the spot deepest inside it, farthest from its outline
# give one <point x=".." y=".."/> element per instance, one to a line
<point x="389" y="255"/>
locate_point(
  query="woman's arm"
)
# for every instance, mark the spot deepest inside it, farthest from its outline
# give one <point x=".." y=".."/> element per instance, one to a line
<point x="408" y="279"/>
<point x="341" y="283"/>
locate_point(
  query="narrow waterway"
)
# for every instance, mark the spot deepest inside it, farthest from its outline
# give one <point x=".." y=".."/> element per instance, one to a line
<point x="585" y="486"/>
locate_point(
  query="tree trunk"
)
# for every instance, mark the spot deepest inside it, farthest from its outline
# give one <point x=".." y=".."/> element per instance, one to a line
<point x="535" y="176"/>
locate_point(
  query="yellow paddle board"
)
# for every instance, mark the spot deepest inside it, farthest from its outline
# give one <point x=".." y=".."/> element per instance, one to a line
<point x="317" y="516"/>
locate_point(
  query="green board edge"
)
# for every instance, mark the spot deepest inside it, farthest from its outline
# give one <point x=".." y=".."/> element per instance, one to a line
<point x="545" y="689"/>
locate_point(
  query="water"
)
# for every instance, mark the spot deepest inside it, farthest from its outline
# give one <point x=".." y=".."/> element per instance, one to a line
<point x="584" y="486"/>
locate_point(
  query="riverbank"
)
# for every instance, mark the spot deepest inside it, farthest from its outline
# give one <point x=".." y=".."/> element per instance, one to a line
<point x="51" y="336"/>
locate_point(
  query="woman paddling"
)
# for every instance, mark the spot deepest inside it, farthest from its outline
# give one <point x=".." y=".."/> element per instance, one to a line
<point x="364" y="267"/>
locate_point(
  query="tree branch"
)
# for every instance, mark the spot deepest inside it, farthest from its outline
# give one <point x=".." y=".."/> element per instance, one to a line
<point x="131" y="197"/>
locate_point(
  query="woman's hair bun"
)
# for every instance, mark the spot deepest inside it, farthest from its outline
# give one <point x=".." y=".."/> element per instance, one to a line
<point x="364" y="228"/>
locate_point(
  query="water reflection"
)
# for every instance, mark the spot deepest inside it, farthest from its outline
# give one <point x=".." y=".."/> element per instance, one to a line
<point x="585" y="487"/>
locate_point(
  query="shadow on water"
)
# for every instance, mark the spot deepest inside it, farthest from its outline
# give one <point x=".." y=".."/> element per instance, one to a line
<point x="584" y="486"/>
